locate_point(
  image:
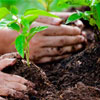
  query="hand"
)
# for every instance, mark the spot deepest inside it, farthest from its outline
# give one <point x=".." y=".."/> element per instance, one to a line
<point x="13" y="85"/>
<point x="57" y="21"/>
<point x="56" y="42"/>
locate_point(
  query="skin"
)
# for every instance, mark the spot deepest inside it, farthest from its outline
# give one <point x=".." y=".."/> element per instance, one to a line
<point x="54" y="43"/>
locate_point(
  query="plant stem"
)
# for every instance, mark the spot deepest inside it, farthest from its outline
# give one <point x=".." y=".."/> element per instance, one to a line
<point x="27" y="54"/>
<point x="48" y="7"/>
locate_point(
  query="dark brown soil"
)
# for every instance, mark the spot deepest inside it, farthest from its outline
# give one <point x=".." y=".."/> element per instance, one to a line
<point x="37" y="76"/>
<point x="84" y="67"/>
<point x="75" y="78"/>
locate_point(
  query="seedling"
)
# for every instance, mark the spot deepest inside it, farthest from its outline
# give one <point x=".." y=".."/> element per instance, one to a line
<point x="22" y="25"/>
<point x="93" y="16"/>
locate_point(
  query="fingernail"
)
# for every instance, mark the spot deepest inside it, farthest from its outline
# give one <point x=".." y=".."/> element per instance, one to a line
<point x="84" y="34"/>
<point x="82" y="39"/>
<point x="57" y="21"/>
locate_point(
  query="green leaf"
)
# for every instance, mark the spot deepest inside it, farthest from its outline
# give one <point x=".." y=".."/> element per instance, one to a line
<point x="19" y="44"/>
<point x="31" y="18"/>
<point x="25" y="23"/>
<point x="14" y="10"/>
<point x="34" y="30"/>
<point x="97" y="7"/>
<point x="96" y="14"/>
<point x="76" y="2"/>
<point x="39" y="13"/>
<point x="74" y="17"/>
<point x="3" y="12"/>
<point x="14" y="26"/>
<point x="87" y="15"/>
<point x="38" y="29"/>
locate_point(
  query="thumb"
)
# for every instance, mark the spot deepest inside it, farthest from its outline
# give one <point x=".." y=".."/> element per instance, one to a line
<point x="7" y="62"/>
<point x="8" y="59"/>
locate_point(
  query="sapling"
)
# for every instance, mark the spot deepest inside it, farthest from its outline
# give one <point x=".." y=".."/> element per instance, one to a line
<point x="22" y="25"/>
<point x="93" y="16"/>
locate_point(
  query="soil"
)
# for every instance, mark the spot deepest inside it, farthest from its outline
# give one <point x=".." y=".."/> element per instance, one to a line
<point x="74" y="78"/>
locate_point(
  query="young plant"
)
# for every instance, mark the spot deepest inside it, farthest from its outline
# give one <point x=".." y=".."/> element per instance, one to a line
<point x="93" y="16"/>
<point x="22" y="25"/>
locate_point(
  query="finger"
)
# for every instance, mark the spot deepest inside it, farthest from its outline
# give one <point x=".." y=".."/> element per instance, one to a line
<point x="58" y="30"/>
<point x="3" y="98"/>
<point x="49" y="59"/>
<point x="10" y="92"/>
<point x="63" y="15"/>
<point x="13" y="85"/>
<point x="17" y="79"/>
<point x="49" y="20"/>
<point x="56" y="51"/>
<point x="7" y="62"/>
<point x="10" y="55"/>
<point x="60" y="41"/>
<point x="12" y="78"/>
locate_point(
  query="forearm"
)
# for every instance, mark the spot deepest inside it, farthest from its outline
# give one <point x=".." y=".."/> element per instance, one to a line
<point x="7" y="37"/>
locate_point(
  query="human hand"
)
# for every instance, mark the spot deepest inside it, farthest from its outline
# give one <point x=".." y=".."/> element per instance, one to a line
<point x="56" y="42"/>
<point x="13" y="85"/>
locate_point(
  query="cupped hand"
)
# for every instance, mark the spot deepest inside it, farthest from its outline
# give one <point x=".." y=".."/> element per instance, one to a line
<point x="56" y="42"/>
<point x="13" y="85"/>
